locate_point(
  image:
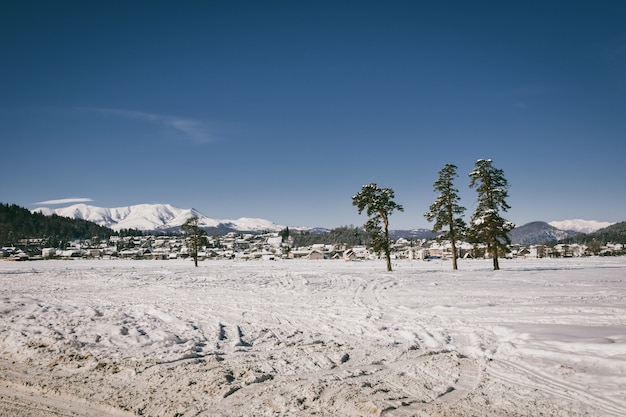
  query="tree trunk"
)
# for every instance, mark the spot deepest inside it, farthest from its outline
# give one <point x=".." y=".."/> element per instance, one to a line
<point x="388" y="242"/>
<point x="453" y="244"/>
<point x="496" y="264"/>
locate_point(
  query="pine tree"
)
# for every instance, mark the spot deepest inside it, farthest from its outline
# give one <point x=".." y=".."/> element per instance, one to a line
<point x="196" y="236"/>
<point x="446" y="209"/>
<point x="487" y="226"/>
<point x="379" y="204"/>
<point x="284" y="234"/>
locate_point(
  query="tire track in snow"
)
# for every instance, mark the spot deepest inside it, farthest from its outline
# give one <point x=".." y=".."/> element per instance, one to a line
<point x="343" y="339"/>
<point x="534" y="379"/>
<point x="21" y="401"/>
<point x="328" y="374"/>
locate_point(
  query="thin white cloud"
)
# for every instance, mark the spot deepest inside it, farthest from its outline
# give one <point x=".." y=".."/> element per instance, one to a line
<point x="194" y="130"/>
<point x="191" y="128"/>
<point x="65" y="201"/>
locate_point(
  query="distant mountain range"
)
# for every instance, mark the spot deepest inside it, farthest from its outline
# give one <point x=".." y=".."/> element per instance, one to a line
<point x="165" y="217"/>
<point x="579" y="225"/>
<point x="157" y="217"/>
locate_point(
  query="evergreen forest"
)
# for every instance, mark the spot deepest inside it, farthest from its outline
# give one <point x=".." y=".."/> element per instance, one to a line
<point x="615" y="233"/>
<point x="18" y="223"/>
<point x="349" y="235"/>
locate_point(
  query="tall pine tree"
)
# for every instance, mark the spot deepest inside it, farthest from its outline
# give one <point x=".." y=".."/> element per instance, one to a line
<point x="196" y="236"/>
<point x="445" y="210"/>
<point x="487" y="225"/>
<point x="379" y="204"/>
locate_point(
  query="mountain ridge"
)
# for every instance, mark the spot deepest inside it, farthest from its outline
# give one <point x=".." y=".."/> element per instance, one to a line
<point x="580" y="225"/>
<point x="155" y="217"/>
<point x="165" y="217"/>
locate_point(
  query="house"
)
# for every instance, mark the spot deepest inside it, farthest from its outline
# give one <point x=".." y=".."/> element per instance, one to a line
<point x="20" y="255"/>
<point x="535" y="251"/>
<point x="350" y="255"/>
<point x="420" y="254"/>
<point x="70" y="253"/>
<point x="299" y="253"/>
<point x="356" y="253"/>
<point x="435" y="253"/>
<point x="274" y="241"/>
<point x="316" y="255"/>
<point x="131" y="253"/>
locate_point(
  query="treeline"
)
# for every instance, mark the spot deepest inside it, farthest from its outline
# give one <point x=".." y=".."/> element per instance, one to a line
<point x="350" y="235"/>
<point x="18" y="223"/>
<point x="616" y="233"/>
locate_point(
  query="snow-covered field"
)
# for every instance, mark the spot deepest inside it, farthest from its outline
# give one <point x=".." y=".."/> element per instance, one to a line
<point x="326" y="338"/>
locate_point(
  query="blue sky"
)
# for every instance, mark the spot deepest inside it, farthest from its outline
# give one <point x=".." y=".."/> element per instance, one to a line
<point x="283" y="110"/>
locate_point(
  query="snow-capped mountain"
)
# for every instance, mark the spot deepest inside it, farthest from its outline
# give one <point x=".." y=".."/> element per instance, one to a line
<point x="579" y="225"/>
<point x="155" y="217"/>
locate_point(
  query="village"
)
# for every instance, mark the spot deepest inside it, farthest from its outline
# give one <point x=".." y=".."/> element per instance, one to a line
<point x="272" y="246"/>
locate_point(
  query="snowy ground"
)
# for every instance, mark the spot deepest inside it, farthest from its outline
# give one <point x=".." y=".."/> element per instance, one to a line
<point x="325" y="338"/>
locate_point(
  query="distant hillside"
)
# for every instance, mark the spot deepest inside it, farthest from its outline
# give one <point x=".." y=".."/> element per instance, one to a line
<point x="535" y="233"/>
<point x="349" y="235"/>
<point x="18" y="223"/>
<point x="412" y="234"/>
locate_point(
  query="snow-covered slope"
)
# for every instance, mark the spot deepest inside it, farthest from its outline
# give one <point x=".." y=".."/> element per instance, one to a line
<point x="579" y="225"/>
<point x="154" y="217"/>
